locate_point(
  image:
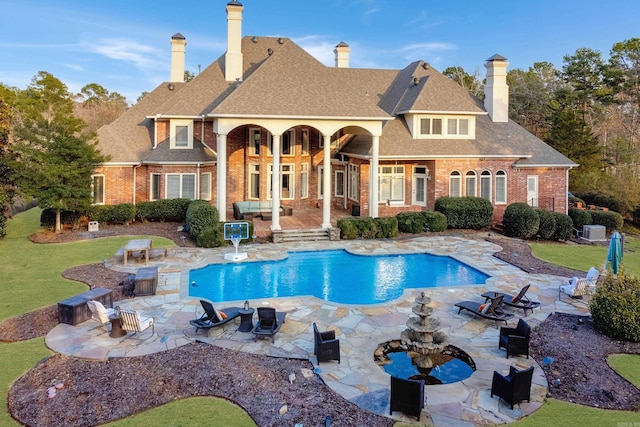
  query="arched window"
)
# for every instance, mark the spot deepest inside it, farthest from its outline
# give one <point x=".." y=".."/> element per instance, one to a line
<point x="455" y="184"/>
<point x="470" y="184"/>
<point x="501" y="187"/>
<point x="485" y="185"/>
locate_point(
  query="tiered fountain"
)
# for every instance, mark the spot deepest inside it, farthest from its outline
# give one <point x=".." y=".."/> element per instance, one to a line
<point x="423" y="351"/>
<point x="422" y="335"/>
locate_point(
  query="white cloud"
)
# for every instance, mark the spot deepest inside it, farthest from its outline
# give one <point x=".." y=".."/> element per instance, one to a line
<point x="320" y="49"/>
<point x="142" y="56"/>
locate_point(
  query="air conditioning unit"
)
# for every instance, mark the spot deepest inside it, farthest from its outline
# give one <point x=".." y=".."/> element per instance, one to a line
<point x="594" y="233"/>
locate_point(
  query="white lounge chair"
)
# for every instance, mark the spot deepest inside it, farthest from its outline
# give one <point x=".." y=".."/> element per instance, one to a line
<point x="578" y="287"/>
<point x="130" y="320"/>
<point x="99" y="312"/>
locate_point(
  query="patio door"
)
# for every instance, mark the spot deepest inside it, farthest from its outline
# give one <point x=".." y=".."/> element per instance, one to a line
<point x="419" y="186"/>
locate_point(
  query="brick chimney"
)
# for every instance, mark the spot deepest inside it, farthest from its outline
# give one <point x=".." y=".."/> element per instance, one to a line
<point x="233" y="57"/>
<point x="178" y="43"/>
<point x="496" y="91"/>
<point x="342" y="55"/>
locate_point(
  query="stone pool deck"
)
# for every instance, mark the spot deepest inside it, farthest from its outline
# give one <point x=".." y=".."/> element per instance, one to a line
<point x="360" y="328"/>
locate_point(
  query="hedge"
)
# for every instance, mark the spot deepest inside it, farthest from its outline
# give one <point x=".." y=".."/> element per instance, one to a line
<point x="368" y="228"/>
<point x="465" y="212"/>
<point x="547" y="227"/>
<point x="580" y="217"/>
<point x="418" y="222"/>
<point x="520" y="220"/>
<point x="123" y="213"/>
<point x="611" y="220"/>
<point x="200" y="215"/>
<point x="564" y="227"/>
<point x="615" y="307"/>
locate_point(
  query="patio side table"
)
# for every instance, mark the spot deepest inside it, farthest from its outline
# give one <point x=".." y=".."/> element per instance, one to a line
<point x="116" y="327"/>
<point x="246" y="320"/>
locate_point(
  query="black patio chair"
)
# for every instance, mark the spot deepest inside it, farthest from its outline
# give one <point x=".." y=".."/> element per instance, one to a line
<point x="514" y="387"/>
<point x="515" y="340"/>
<point x="325" y="345"/>
<point x="269" y="322"/>
<point x="407" y="396"/>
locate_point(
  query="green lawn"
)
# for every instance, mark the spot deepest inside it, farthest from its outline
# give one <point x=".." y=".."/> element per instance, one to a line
<point x="582" y="257"/>
<point x="31" y="279"/>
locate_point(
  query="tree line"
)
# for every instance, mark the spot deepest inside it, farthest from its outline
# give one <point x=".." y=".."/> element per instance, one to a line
<point x="589" y="110"/>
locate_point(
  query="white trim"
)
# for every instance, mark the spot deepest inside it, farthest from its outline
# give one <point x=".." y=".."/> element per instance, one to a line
<point x="172" y="135"/>
<point x="104" y="183"/>
<point x="206" y="177"/>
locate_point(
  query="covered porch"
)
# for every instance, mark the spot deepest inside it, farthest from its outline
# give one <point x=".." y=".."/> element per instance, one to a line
<point x="302" y="219"/>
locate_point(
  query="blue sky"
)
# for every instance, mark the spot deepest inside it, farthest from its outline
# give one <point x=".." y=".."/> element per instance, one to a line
<point x="124" y="45"/>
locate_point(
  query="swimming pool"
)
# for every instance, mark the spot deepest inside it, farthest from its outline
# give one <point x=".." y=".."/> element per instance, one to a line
<point x="332" y="275"/>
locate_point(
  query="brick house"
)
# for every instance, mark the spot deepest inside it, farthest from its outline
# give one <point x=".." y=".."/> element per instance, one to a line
<point x="266" y="114"/>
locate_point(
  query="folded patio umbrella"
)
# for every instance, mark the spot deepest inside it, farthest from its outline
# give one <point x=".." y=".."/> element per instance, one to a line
<point x="614" y="257"/>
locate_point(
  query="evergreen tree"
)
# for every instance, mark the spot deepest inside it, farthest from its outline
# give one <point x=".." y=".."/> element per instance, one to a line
<point x="54" y="157"/>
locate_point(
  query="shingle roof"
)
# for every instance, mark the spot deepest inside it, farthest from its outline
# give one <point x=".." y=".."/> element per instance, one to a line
<point x="492" y="140"/>
<point x="281" y="79"/>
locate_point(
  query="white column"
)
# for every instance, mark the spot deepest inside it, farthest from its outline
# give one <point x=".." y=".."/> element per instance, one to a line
<point x="326" y="182"/>
<point x="275" y="185"/>
<point x="221" y="184"/>
<point x="373" y="177"/>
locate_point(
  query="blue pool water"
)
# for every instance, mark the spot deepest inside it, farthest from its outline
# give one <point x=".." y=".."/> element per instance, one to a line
<point x="335" y="275"/>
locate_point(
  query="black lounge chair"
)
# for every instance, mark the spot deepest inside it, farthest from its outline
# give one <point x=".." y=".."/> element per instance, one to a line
<point x="514" y="387"/>
<point x="515" y="340"/>
<point x="211" y="319"/>
<point x="269" y="322"/>
<point x="492" y="312"/>
<point x="407" y="396"/>
<point x="325" y="345"/>
<point x="517" y="301"/>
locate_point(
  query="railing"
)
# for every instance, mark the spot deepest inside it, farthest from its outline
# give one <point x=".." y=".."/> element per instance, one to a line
<point x="546" y="203"/>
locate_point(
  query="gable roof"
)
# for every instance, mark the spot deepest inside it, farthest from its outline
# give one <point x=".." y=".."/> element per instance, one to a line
<point x="280" y="79"/>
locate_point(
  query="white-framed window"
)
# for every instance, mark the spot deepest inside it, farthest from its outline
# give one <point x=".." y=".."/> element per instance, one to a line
<point x="287" y="181"/>
<point x="97" y="189"/>
<point x="430" y="126"/>
<point x="304" y="180"/>
<point x="390" y="183"/>
<point x="254" y="181"/>
<point x="339" y="185"/>
<point x="501" y="187"/>
<point x="485" y="185"/>
<point x="155" y="186"/>
<point x="254" y="142"/>
<point x="181" y="186"/>
<point x="455" y="184"/>
<point x="354" y="182"/>
<point x="470" y="184"/>
<point x="419" y="185"/>
<point x="448" y="127"/>
<point x="181" y="134"/>
<point x="304" y="143"/>
<point x="205" y="186"/>
<point x="288" y="143"/>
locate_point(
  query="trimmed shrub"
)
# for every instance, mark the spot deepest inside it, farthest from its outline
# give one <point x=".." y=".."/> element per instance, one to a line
<point x="387" y="227"/>
<point x="200" y="215"/>
<point x="520" y="220"/>
<point x="367" y="228"/>
<point x="611" y="220"/>
<point x="579" y="217"/>
<point x="211" y="236"/>
<point x="564" y="227"/>
<point x="348" y="228"/>
<point x="615" y="307"/>
<point x="547" y="227"/>
<point x="411" y="222"/>
<point x="465" y="212"/>
<point x="123" y="213"/>
<point x="435" y="221"/>
<point x="173" y="209"/>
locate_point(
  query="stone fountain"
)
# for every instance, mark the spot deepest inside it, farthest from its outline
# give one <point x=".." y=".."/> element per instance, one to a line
<point x="422" y="335"/>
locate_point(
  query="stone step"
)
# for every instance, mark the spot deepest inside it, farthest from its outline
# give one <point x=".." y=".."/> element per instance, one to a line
<point x="308" y="235"/>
